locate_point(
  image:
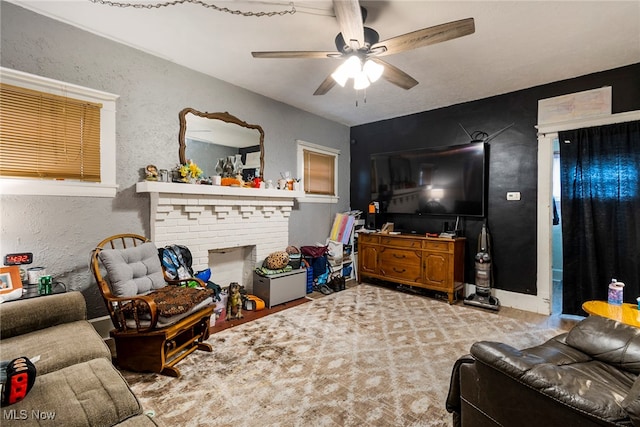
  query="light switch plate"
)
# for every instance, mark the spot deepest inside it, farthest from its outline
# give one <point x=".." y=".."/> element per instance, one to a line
<point x="513" y="195"/>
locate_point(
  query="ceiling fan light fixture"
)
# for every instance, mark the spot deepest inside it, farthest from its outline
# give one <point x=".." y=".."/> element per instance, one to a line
<point x="340" y="76"/>
<point x="348" y="69"/>
<point x="373" y="70"/>
<point x="360" y="81"/>
<point x="353" y="66"/>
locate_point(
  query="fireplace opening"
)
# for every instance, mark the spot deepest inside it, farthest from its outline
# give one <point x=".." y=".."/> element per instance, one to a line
<point x="233" y="265"/>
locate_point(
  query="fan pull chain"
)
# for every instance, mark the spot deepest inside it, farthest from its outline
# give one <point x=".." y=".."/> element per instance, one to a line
<point x="364" y="96"/>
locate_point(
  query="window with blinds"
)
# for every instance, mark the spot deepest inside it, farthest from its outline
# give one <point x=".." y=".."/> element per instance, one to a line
<point x="319" y="173"/>
<point x="318" y="170"/>
<point x="48" y="136"/>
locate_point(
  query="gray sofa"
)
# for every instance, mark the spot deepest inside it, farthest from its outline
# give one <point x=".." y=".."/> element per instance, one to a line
<point x="76" y="383"/>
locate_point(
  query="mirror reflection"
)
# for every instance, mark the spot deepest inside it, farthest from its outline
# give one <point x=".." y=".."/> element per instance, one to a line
<point x="221" y="144"/>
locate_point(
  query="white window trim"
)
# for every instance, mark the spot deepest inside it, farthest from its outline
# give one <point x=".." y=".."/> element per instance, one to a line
<point x="107" y="186"/>
<point x="317" y="198"/>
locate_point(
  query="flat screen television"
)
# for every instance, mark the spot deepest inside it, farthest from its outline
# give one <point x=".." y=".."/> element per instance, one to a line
<point x="449" y="180"/>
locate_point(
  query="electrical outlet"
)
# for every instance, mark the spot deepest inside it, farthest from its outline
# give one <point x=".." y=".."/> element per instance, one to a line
<point x="513" y="195"/>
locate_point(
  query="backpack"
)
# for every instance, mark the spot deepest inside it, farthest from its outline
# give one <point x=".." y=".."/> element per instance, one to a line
<point x="176" y="261"/>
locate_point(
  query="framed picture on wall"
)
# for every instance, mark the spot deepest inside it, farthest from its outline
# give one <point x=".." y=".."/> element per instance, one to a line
<point x="10" y="279"/>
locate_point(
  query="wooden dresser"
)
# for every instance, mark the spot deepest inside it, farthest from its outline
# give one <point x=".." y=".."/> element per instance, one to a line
<point x="426" y="262"/>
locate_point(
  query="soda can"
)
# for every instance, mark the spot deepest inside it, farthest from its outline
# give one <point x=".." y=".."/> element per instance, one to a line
<point x="44" y="287"/>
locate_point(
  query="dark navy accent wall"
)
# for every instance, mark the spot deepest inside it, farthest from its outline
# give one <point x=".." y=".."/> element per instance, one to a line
<point x="512" y="164"/>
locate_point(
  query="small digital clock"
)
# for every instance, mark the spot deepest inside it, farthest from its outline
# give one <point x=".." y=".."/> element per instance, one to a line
<point x="18" y="259"/>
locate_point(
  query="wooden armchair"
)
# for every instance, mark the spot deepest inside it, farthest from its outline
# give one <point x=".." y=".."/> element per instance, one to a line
<point x="157" y="322"/>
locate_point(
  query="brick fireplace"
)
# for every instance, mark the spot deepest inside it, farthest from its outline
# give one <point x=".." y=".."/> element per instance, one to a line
<point x="213" y="221"/>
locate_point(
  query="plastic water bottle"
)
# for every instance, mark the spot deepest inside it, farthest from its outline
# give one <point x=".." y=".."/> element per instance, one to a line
<point x="615" y="292"/>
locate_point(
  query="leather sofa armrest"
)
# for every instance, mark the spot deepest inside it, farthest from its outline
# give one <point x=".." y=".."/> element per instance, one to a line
<point x="453" y="403"/>
<point x="24" y="316"/>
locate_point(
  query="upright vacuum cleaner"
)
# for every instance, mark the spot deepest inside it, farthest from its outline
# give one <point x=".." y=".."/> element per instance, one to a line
<point x="482" y="297"/>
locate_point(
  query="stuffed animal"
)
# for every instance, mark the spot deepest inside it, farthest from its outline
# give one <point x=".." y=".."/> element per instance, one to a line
<point x="277" y="260"/>
<point x="234" y="302"/>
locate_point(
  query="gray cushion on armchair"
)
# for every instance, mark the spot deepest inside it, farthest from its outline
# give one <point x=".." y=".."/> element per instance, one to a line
<point x="133" y="271"/>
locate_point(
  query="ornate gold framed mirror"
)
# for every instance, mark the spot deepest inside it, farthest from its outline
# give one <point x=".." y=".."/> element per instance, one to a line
<point x="206" y="137"/>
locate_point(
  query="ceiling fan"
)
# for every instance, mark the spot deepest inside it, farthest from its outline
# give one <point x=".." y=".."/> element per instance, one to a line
<point x="361" y="48"/>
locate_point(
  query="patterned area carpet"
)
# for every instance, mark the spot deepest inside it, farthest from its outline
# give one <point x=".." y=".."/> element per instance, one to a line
<point x="365" y="356"/>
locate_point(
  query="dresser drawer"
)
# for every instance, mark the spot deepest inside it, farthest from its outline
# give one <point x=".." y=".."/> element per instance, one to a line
<point x="399" y="256"/>
<point x="368" y="238"/>
<point x="406" y="272"/>
<point x="400" y="242"/>
<point x="440" y="246"/>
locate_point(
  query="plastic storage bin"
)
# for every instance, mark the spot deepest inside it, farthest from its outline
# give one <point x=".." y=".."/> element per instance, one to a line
<point x="309" y="280"/>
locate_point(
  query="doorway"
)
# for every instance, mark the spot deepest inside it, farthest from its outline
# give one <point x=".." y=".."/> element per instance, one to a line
<point x="547" y="300"/>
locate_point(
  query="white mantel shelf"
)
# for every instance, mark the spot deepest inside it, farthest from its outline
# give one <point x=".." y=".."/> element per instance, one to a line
<point x="215" y="190"/>
<point x="212" y="217"/>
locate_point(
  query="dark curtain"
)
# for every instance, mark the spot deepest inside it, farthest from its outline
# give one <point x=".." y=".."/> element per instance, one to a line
<point x="600" y="185"/>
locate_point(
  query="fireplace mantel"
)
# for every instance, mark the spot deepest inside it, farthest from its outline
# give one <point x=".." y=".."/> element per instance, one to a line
<point x="208" y="217"/>
<point x="215" y="190"/>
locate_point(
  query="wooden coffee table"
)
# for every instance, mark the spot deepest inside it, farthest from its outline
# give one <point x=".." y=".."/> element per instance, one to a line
<point x="625" y="313"/>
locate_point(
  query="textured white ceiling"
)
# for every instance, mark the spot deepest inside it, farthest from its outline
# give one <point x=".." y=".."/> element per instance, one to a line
<point x="517" y="45"/>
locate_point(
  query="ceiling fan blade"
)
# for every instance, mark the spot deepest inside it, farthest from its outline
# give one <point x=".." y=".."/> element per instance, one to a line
<point x="349" y="19"/>
<point x="294" y="54"/>
<point x="325" y="86"/>
<point x="426" y="36"/>
<point x="395" y="75"/>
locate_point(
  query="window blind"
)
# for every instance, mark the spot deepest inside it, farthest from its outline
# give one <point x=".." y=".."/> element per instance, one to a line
<point x="319" y="173"/>
<point x="48" y="136"/>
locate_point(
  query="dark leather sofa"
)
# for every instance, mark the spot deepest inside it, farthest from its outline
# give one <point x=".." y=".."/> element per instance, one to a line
<point x="586" y="377"/>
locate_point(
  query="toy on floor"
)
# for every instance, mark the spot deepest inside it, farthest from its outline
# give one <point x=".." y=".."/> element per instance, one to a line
<point x="17" y="377"/>
<point x="234" y="302"/>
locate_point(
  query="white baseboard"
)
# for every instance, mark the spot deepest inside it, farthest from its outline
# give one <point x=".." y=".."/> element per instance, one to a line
<point x="516" y="300"/>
